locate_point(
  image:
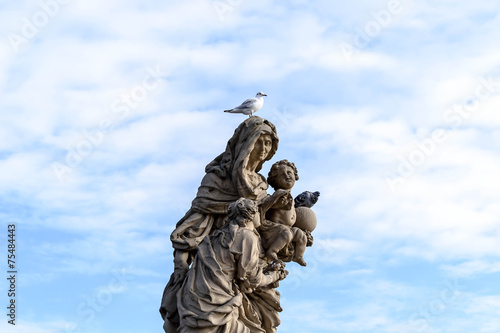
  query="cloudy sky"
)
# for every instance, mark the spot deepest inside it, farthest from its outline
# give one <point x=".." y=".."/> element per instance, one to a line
<point x="110" y="111"/>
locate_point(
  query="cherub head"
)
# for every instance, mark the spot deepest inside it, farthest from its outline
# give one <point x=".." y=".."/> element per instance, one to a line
<point x="282" y="175"/>
<point x="243" y="212"/>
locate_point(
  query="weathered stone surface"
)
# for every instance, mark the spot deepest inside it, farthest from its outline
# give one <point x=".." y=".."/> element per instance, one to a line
<point x="306" y="219"/>
<point x="230" y="246"/>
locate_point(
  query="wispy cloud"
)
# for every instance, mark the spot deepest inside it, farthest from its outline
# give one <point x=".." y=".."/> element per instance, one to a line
<point x="346" y="125"/>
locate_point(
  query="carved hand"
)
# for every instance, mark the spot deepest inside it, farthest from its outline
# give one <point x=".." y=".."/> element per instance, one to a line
<point x="244" y="286"/>
<point x="179" y="274"/>
<point x="282" y="274"/>
<point x="269" y="201"/>
<point x="279" y="275"/>
<point x="280" y="193"/>
<point x="284" y="200"/>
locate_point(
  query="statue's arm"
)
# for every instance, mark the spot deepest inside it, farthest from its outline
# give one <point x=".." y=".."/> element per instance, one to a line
<point x="264" y="279"/>
<point x="181" y="265"/>
<point x="249" y="273"/>
<point x="272" y="200"/>
<point x="272" y="277"/>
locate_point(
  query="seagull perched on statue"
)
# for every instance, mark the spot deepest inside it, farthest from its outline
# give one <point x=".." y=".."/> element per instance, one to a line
<point x="250" y="106"/>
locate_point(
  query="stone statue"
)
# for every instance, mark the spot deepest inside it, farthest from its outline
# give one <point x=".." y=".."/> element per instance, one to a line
<point x="227" y="264"/>
<point x="277" y="229"/>
<point x="223" y="280"/>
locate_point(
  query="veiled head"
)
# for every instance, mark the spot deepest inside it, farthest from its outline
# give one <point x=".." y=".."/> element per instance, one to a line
<point x="259" y="142"/>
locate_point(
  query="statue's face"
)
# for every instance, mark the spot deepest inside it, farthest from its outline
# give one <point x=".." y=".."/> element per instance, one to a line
<point x="261" y="148"/>
<point x="249" y="212"/>
<point x="285" y="178"/>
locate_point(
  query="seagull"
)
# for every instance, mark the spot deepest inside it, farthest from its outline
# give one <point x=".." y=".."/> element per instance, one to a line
<point x="249" y="106"/>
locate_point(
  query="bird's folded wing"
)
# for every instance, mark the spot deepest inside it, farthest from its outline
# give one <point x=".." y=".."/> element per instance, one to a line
<point x="248" y="103"/>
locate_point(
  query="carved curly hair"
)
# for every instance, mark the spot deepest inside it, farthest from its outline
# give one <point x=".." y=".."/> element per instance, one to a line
<point x="273" y="173"/>
<point x="240" y="211"/>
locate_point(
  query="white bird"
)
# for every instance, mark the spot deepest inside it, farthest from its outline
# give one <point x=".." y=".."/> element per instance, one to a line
<point x="249" y="106"/>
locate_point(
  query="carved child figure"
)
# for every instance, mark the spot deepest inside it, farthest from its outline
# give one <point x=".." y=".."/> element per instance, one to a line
<point x="277" y="230"/>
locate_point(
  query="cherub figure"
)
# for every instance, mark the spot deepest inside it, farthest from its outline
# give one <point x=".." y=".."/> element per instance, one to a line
<point x="277" y="229"/>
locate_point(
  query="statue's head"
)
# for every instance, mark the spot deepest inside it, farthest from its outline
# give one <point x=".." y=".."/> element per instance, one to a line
<point x="262" y="147"/>
<point x="257" y="141"/>
<point x="282" y="175"/>
<point x="243" y="211"/>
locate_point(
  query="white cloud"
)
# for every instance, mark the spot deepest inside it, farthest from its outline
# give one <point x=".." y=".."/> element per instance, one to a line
<point x="36" y="327"/>
<point x="346" y="125"/>
<point x="473" y="267"/>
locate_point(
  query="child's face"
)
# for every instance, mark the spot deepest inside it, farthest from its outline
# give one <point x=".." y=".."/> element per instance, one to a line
<point x="286" y="177"/>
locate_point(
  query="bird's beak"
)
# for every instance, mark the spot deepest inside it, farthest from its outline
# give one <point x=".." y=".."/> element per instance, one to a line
<point x="264" y="95"/>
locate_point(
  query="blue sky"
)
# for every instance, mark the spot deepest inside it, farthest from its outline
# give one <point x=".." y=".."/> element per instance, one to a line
<point x="111" y="110"/>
